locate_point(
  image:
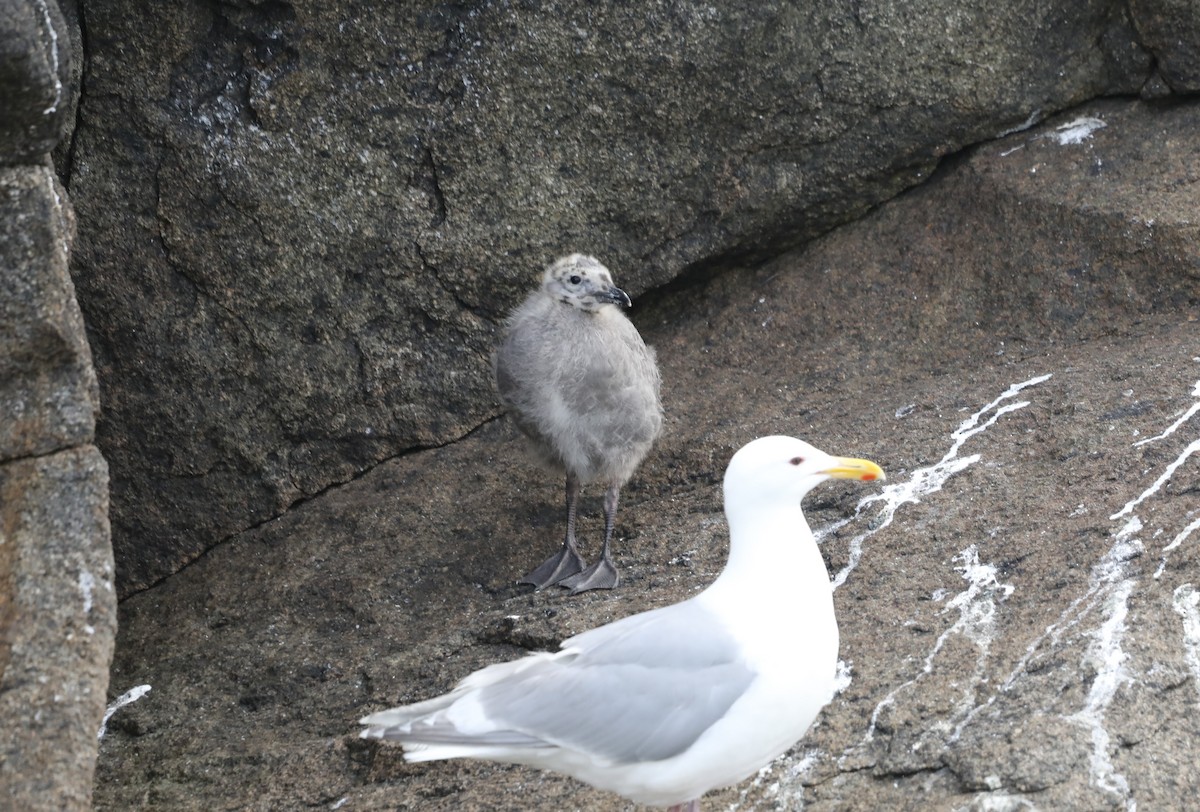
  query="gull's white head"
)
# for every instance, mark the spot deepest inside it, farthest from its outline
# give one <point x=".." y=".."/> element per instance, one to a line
<point x="581" y="281"/>
<point x="781" y="470"/>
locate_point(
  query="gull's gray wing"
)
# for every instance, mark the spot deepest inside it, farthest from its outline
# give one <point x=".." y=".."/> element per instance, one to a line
<point x="641" y="689"/>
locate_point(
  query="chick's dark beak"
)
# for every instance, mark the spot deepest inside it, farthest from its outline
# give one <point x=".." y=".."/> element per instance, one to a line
<point x="614" y="295"/>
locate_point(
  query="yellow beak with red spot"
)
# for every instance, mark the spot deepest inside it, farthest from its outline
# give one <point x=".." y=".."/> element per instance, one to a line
<point x="851" y="468"/>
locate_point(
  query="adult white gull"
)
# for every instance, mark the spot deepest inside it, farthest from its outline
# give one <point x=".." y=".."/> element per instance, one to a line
<point x="663" y="706"/>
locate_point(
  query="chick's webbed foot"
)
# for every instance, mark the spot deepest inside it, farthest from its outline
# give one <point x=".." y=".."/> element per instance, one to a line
<point x="601" y="575"/>
<point x="567" y="562"/>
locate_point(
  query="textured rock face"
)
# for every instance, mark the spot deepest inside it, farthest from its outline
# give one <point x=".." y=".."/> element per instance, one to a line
<point x="36" y="68"/>
<point x="301" y="222"/>
<point x="1014" y="341"/>
<point x="57" y="603"/>
<point x="47" y="385"/>
<point x="1170" y="29"/>
<point x="57" y="621"/>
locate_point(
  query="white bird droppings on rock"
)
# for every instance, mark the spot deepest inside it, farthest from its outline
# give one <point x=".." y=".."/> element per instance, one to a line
<point x="1078" y="130"/>
<point x="130" y="696"/>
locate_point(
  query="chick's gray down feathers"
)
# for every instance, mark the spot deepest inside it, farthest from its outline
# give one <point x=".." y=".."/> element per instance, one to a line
<point x="579" y="381"/>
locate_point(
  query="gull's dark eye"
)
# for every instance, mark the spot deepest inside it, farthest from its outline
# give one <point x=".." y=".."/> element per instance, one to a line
<point x="796" y="460"/>
<point x="575" y="280"/>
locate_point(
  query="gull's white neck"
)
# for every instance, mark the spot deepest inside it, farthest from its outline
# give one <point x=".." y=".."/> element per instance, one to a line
<point x="774" y="565"/>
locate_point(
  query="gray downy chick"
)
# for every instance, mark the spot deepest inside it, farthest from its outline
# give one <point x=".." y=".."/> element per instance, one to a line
<point x="579" y="381"/>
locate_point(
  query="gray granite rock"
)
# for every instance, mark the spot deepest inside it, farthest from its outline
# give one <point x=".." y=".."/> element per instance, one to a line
<point x="48" y="392"/>
<point x="36" y="69"/>
<point x="57" y="624"/>
<point x="302" y="222"/>
<point x="1170" y="29"/>
<point x="57" y="601"/>
<point x="1014" y="341"/>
